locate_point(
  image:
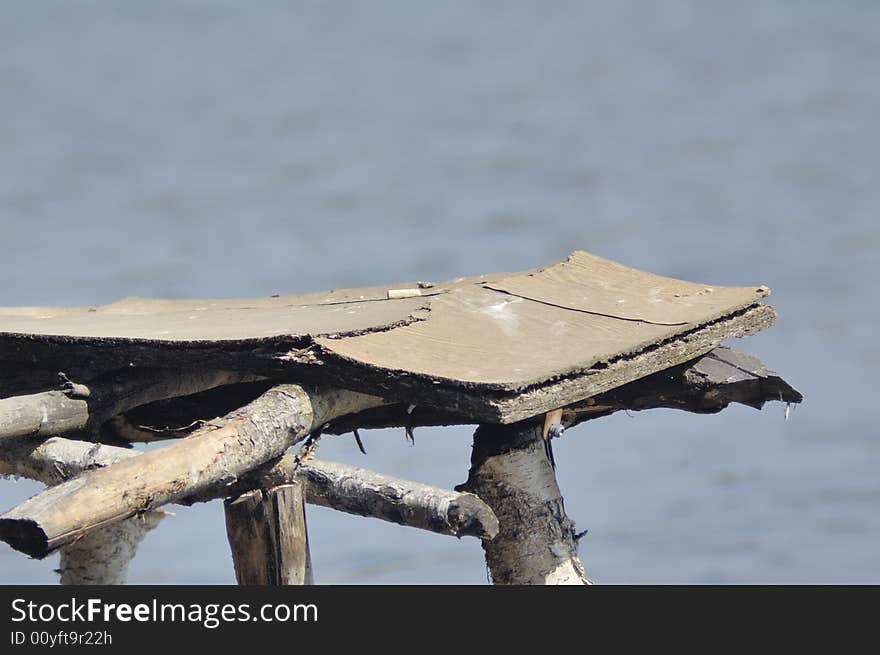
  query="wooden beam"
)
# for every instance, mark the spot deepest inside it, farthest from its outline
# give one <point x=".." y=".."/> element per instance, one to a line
<point x="536" y="543"/>
<point x="218" y="453"/>
<point x="268" y="536"/>
<point x="365" y="493"/>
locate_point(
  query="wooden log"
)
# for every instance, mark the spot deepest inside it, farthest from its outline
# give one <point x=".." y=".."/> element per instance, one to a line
<point x="57" y="459"/>
<point x="366" y="493"/>
<point x="330" y="484"/>
<point x="102" y="557"/>
<point x="42" y="414"/>
<point x="81" y="407"/>
<point x="536" y="543"/>
<point x="268" y="536"/>
<point x="219" y="453"/>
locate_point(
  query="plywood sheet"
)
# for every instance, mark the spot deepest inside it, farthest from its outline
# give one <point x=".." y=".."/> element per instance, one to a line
<point x="499" y="347"/>
<point x="515" y="331"/>
<point x="200" y="321"/>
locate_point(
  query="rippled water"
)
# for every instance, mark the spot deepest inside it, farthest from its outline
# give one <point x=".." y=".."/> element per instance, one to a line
<point x="215" y="149"/>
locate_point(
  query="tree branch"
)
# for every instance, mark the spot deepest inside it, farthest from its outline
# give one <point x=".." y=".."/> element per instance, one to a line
<point x="218" y="453"/>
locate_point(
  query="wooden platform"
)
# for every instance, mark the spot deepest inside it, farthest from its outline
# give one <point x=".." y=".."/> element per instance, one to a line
<point x="497" y="348"/>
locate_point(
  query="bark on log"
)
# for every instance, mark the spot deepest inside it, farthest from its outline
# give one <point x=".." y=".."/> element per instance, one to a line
<point x="337" y="486"/>
<point x="102" y="557"/>
<point x="85" y="407"/>
<point x="536" y="543"/>
<point x="366" y="493"/>
<point x="42" y="414"/>
<point x="57" y="459"/>
<point x="357" y="491"/>
<point x="268" y="536"/>
<point x="219" y="453"/>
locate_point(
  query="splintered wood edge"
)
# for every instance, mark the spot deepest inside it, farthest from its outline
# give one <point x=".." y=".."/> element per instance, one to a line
<point x="473" y="406"/>
<point x="493" y="406"/>
<point x="678" y="350"/>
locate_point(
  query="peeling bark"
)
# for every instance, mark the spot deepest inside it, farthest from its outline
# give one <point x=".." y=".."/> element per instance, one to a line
<point x="217" y="454"/>
<point x="329" y="484"/>
<point x="102" y="557"/>
<point x="536" y="542"/>
<point x="366" y="493"/>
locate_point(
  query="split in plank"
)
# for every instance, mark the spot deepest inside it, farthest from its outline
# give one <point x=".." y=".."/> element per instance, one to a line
<point x="545" y="338"/>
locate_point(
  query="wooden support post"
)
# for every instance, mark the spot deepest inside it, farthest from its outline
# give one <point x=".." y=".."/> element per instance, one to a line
<point x="103" y="557"/>
<point x="268" y="537"/>
<point x="536" y="542"/>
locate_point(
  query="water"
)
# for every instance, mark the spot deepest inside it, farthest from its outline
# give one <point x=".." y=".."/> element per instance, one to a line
<point x="206" y="149"/>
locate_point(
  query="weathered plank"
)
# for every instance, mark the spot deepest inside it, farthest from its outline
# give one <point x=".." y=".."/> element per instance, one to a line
<point x="497" y="348"/>
<point x="703" y="386"/>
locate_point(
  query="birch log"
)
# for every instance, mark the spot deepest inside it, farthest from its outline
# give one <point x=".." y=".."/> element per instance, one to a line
<point x="536" y="542"/>
<point x="102" y="557"/>
<point x="219" y="453"/>
<point x="366" y="493"/>
<point x="268" y="536"/>
<point x="330" y="484"/>
<point x="85" y="407"/>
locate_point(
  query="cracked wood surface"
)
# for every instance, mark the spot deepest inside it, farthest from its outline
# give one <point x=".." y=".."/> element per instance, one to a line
<point x="497" y="348"/>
